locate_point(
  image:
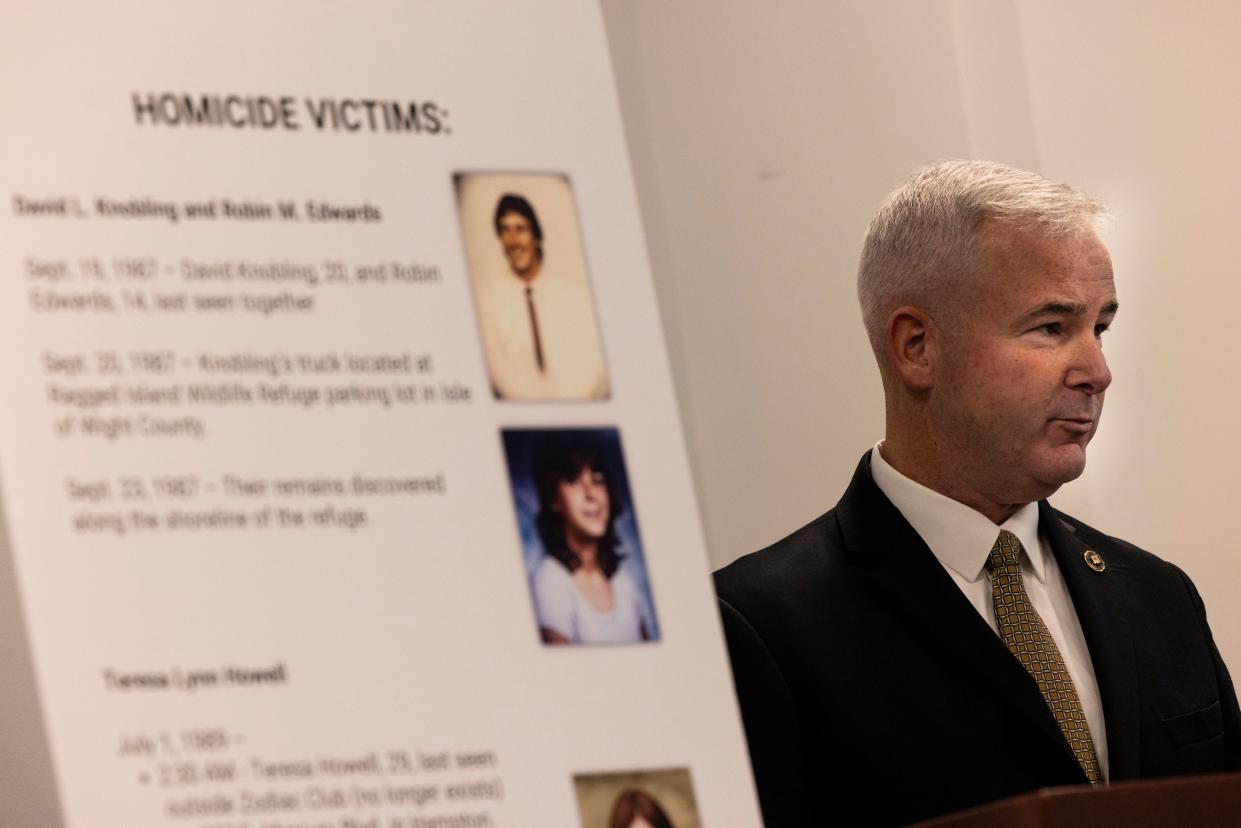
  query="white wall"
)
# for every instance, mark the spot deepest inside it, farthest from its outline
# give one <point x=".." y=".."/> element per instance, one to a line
<point x="1138" y="102"/>
<point x="763" y="136"/>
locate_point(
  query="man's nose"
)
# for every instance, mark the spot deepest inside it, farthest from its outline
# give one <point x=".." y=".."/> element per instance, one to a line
<point x="1089" y="371"/>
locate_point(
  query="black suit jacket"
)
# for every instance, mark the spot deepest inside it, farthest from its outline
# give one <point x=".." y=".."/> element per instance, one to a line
<point x="872" y="692"/>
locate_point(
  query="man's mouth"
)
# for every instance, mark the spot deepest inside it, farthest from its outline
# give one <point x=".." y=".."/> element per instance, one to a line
<point x="1076" y="425"/>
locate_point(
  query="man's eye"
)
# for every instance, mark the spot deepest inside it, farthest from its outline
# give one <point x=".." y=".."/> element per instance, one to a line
<point x="1100" y="329"/>
<point x="1051" y="329"/>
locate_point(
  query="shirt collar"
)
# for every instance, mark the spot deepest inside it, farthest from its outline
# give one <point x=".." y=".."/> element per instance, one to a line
<point x="960" y="537"/>
<point x="519" y="283"/>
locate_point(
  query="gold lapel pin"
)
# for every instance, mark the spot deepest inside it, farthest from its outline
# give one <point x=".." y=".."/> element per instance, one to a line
<point x="1094" y="561"/>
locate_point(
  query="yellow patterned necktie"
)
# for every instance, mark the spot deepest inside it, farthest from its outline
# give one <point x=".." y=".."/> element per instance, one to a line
<point x="1028" y="639"/>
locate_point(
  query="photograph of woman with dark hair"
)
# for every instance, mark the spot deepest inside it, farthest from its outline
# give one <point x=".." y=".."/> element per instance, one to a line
<point x="582" y="594"/>
<point x="635" y="808"/>
<point x="587" y="576"/>
<point x="658" y="798"/>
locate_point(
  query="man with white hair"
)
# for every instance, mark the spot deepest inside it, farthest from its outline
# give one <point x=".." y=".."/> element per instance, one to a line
<point x="943" y="637"/>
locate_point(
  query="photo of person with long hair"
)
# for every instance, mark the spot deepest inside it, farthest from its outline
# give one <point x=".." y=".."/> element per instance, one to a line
<point x="653" y="798"/>
<point x="587" y="575"/>
<point x="635" y="808"/>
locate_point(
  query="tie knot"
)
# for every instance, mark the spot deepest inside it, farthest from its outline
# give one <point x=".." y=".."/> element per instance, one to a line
<point x="1006" y="553"/>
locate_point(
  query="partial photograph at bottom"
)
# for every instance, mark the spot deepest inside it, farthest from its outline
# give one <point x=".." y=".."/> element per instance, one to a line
<point x="637" y="799"/>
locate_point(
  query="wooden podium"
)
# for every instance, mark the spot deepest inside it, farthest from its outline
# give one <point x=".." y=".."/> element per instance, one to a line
<point x="1199" y="801"/>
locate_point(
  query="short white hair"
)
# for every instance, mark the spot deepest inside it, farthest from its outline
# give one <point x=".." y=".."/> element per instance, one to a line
<point x="926" y="233"/>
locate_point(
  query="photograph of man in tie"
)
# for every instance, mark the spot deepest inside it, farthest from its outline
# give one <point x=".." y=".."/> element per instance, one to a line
<point x="944" y="637"/>
<point x="535" y="310"/>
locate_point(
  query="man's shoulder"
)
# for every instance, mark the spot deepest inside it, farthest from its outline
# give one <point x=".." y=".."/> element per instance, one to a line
<point x="811" y="571"/>
<point x="799" y="564"/>
<point x="1118" y="552"/>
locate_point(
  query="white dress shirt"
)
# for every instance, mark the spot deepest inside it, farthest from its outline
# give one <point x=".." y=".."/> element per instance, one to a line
<point x="961" y="539"/>
<point x="561" y="607"/>
<point x="573" y="367"/>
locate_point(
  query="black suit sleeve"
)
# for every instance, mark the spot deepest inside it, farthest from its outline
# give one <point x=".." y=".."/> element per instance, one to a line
<point x="771" y="725"/>
<point x="1227" y="693"/>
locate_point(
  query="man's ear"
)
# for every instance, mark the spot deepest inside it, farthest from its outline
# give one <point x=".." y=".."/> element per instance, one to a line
<point x="911" y="348"/>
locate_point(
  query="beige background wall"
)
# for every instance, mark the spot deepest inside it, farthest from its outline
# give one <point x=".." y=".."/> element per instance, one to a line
<point x="762" y="137"/>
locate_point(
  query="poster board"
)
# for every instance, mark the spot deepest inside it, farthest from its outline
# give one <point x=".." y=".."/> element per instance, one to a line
<point x="281" y="471"/>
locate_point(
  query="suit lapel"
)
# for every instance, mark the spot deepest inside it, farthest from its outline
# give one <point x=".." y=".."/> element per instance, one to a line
<point x="1098" y="602"/>
<point x="903" y="567"/>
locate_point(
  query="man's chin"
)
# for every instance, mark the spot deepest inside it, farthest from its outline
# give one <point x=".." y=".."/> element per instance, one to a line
<point x="1065" y="463"/>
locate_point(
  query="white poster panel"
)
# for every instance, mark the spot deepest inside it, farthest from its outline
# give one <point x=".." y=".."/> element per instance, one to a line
<point x="342" y="470"/>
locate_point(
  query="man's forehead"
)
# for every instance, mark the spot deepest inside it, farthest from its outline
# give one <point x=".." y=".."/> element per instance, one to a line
<point x="1016" y="254"/>
<point x="1019" y="275"/>
<point x="1105" y="305"/>
<point x="1007" y="245"/>
<point x="1065" y="291"/>
<point x="513" y="217"/>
